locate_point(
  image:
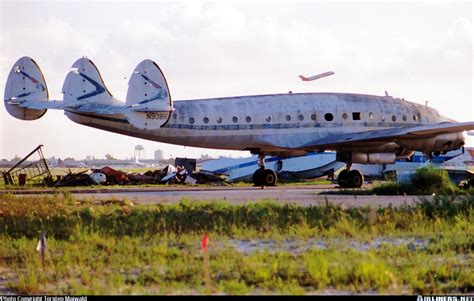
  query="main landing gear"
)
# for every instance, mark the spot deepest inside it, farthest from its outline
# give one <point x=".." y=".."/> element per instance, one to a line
<point x="262" y="176"/>
<point x="350" y="178"/>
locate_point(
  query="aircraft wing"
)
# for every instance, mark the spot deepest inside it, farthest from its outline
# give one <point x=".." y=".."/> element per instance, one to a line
<point x="360" y="138"/>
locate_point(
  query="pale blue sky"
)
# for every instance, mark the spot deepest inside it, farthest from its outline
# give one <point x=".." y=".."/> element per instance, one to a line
<point x="420" y="51"/>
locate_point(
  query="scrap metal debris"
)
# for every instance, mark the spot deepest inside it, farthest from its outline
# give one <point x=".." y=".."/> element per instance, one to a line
<point x="114" y="176"/>
<point x="28" y="171"/>
<point x="168" y="175"/>
<point x="74" y="179"/>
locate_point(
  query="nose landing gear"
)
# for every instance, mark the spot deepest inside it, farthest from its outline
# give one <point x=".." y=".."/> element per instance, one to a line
<point x="262" y="176"/>
<point x="350" y="178"/>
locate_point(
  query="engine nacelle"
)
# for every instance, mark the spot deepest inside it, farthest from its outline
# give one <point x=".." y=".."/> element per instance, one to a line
<point x="440" y="143"/>
<point x="366" y="158"/>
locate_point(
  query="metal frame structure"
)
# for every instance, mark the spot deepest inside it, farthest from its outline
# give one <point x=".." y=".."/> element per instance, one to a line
<point x="35" y="172"/>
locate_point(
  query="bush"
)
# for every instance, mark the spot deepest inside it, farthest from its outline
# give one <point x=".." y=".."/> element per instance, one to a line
<point x="433" y="180"/>
<point x="426" y="180"/>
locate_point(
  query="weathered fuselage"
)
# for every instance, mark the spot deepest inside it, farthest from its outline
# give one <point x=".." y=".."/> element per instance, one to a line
<point x="275" y="123"/>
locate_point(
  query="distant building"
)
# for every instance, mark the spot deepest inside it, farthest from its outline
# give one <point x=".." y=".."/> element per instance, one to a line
<point x="158" y="155"/>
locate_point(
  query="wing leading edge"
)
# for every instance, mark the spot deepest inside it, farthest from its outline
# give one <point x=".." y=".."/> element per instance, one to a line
<point x="360" y="138"/>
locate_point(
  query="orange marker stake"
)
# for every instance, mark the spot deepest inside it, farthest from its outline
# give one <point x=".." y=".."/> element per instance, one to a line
<point x="207" y="272"/>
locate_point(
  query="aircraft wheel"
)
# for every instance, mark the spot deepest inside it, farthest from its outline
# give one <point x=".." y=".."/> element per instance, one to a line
<point x="356" y="179"/>
<point x="270" y="177"/>
<point x="258" y="177"/>
<point x="343" y="179"/>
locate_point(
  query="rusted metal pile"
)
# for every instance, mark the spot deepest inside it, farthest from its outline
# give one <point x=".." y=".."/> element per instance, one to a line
<point x="167" y="175"/>
<point x="33" y="171"/>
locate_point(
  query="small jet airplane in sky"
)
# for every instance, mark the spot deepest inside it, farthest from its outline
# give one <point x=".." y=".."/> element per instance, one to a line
<point x="361" y="128"/>
<point x="314" y="77"/>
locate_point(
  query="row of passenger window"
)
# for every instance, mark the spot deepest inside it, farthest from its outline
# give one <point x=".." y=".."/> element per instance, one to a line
<point x="327" y="117"/>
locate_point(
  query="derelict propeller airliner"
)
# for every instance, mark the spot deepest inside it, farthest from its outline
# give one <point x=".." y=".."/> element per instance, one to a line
<point x="360" y="128"/>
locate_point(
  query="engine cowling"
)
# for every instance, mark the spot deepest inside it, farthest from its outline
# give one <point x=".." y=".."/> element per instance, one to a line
<point x="440" y="143"/>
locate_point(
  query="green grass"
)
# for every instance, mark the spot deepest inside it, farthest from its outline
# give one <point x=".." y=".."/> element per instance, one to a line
<point x="115" y="247"/>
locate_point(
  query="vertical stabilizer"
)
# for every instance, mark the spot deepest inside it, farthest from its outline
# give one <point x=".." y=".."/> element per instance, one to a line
<point x="84" y="84"/>
<point x="148" y="96"/>
<point x="25" y="83"/>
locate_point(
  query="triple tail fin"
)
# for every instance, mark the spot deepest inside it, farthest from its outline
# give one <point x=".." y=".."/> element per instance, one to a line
<point x="148" y="97"/>
<point x="148" y="106"/>
<point x="25" y="83"/>
<point x="148" y="89"/>
<point x="84" y="84"/>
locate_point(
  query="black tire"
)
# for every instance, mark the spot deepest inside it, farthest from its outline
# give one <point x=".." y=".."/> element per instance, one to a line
<point x="343" y="179"/>
<point x="258" y="177"/>
<point x="270" y="178"/>
<point x="356" y="179"/>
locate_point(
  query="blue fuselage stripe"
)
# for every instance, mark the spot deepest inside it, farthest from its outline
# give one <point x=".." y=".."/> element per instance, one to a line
<point x="276" y="126"/>
<point x="240" y="127"/>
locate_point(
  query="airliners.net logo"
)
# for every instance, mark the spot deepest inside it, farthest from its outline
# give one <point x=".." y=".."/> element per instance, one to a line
<point x="445" y="298"/>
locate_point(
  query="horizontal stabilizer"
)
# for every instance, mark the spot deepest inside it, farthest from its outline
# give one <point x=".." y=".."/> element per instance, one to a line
<point x="79" y="107"/>
<point x="97" y="108"/>
<point x="39" y="105"/>
<point x="156" y="106"/>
